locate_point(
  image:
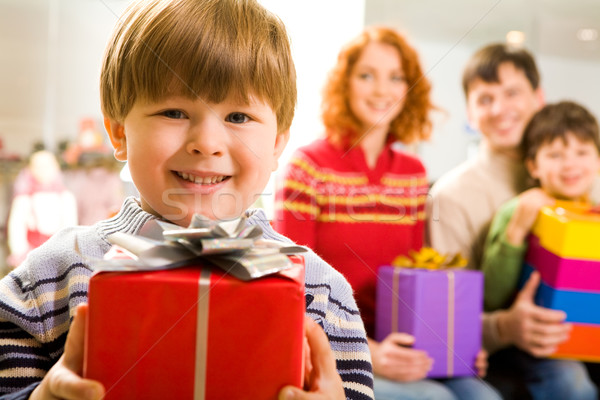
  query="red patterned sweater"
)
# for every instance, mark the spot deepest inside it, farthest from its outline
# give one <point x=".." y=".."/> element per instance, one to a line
<point x="356" y="218"/>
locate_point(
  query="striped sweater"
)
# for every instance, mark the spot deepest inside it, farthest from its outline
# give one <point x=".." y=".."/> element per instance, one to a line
<point x="38" y="299"/>
<point x="357" y="218"/>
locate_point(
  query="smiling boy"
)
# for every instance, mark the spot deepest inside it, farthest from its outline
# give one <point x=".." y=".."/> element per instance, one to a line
<point x="561" y="150"/>
<point x="198" y="98"/>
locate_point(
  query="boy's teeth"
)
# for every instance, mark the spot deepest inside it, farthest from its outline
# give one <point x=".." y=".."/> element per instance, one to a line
<point x="207" y="180"/>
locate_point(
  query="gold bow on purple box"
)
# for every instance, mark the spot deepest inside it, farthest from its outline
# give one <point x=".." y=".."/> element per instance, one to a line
<point x="233" y="246"/>
<point x="428" y="258"/>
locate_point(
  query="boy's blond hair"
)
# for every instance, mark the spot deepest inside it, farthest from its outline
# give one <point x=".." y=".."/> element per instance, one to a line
<point x="207" y="49"/>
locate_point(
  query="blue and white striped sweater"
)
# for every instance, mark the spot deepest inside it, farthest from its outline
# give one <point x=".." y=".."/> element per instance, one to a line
<point x="38" y="299"/>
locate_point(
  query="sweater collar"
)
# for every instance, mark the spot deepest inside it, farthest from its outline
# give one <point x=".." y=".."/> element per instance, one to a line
<point x="131" y="218"/>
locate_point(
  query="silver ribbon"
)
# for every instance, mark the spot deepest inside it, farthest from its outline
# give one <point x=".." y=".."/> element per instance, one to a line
<point x="234" y="246"/>
<point x="200" y="367"/>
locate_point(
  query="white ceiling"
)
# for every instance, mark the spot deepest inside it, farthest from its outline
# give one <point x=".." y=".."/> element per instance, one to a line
<point x="550" y="25"/>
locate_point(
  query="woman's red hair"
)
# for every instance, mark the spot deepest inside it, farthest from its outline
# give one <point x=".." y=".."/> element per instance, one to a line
<point x="410" y="125"/>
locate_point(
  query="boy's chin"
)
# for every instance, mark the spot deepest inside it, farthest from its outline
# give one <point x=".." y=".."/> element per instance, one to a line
<point x="216" y="215"/>
<point x="575" y="196"/>
<point x="181" y="212"/>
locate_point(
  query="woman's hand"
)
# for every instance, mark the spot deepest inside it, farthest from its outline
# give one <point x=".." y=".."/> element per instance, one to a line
<point x="394" y="359"/>
<point x="481" y="363"/>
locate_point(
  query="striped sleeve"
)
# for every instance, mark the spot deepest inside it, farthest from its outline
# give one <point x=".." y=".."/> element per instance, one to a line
<point x="34" y="320"/>
<point x="334" y="308"/>
<point x="337" y="314"/>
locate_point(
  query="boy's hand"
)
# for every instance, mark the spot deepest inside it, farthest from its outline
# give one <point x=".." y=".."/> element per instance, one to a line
<point x="64" y="380"/>
<point x="535" y="330"/>
<point x="481" y="363"/>
<point x="393" y="360"/>
<point x="525" y="214"/>
<point x="322" y="380"/>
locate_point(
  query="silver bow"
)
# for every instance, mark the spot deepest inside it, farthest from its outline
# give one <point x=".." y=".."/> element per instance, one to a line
<point x="234" y="246"/>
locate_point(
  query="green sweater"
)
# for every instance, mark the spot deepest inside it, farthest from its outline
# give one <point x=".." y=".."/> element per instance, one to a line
<point x="502" y="262"/>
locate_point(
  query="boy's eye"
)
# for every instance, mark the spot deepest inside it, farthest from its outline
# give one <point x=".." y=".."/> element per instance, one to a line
<point x="512" y="92"/>
<point x="174" y="114"/>
<point x="484" y="100"/>
<point x="237" y="118"/>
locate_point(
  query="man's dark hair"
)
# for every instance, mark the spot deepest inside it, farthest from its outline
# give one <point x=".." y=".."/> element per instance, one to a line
<point x="485" y="62"/>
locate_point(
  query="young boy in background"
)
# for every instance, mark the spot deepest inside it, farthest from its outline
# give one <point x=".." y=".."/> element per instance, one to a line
<point x="198" y="98"/>
<point x="561" y="151"/>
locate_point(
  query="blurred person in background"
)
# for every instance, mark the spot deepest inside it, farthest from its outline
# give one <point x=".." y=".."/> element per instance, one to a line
<point x="358" y="199"/>
<point x="502" y="88"/>
<point x="41" y="206"/>
<point x="92" y="174"/>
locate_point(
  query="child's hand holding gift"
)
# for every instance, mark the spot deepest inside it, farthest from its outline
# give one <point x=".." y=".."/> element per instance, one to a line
<point x="63" y="380"/>
<point x="322" y="381"/>
<point x="530" y="203"/>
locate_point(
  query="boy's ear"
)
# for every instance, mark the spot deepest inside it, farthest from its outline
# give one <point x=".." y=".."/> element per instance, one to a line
<point x="531" y="168"/>
<point x="280" y="142"/>
<point x="116" y="133"/>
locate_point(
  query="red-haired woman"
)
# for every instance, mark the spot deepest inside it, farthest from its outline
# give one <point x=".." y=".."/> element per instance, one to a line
<point x="358" y="200"/>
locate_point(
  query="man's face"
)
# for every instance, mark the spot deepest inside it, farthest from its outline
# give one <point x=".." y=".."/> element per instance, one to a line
<point x="501" y="110"/>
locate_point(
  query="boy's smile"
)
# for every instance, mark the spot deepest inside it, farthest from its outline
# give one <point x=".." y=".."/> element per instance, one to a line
<point x="208" y="179"/>
<point x="203" y="182"/>
<point x="187" y="156"/>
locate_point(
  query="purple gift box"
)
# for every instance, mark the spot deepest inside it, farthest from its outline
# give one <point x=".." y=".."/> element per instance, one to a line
<point x="441" y="309"/>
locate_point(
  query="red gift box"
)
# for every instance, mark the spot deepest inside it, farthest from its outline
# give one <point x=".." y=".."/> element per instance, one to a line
<point x="195" y="333"/>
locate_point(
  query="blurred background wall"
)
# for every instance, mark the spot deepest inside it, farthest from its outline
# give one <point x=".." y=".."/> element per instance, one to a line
<point x="50" y="53"/>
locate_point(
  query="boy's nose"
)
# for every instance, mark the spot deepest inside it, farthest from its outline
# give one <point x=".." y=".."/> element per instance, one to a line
<point x="569" y="160"/>
<point x="206" y="140"/>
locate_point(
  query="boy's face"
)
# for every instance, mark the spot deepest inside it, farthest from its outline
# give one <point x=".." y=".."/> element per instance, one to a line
<point x="566" y="170"/>
<point x="501" y="110"/>
<point x="187" y="156"/>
